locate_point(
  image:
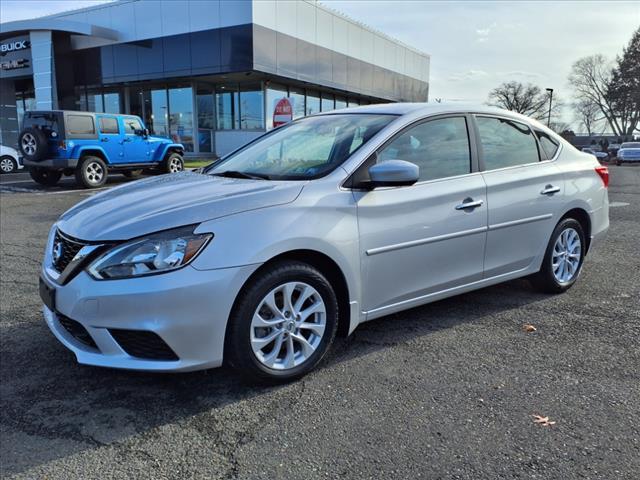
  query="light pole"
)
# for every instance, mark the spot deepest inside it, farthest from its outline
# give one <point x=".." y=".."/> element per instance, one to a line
<point x="550" y="90"/>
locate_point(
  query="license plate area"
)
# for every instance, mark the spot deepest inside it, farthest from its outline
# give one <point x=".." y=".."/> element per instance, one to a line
<point x="47" y="294"/>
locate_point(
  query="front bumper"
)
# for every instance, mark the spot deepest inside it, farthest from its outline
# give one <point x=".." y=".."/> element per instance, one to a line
<point x="52" y="163"/>
<point x="188" y="309"/>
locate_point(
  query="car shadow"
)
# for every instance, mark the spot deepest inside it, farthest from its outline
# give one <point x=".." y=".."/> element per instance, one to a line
<point x="57" y="408"/>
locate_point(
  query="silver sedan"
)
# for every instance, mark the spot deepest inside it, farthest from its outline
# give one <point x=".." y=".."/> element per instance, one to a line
<point x="261" y="259"/>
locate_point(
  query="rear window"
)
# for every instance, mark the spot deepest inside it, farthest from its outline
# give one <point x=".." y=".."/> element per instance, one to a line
<point x="45" y="121"/>
<point x="80" y="125"/>
<point x="630" y="145"/>
<point x="109" y="125"/>
<point x="549" y="145"/>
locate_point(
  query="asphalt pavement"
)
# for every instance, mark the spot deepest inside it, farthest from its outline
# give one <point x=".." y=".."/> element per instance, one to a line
<point x="448" y="390"/>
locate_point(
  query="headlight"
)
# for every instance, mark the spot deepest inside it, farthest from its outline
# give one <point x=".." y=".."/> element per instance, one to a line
<point x="156" y="253"/>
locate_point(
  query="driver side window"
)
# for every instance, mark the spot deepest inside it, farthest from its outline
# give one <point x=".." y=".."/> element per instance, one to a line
<point x="440" y="148"/>
<point x="131" y="125"/>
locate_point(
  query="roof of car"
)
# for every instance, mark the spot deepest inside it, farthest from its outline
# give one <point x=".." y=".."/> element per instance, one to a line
<point x="430" y="109"/>
<point x="31" y="112"/>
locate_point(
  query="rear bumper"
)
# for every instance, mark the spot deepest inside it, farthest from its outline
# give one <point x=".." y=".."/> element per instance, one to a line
<point x="52" y="163"/>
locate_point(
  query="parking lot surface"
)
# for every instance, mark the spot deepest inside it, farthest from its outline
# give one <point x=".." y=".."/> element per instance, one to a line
<point x="447" y="390"/>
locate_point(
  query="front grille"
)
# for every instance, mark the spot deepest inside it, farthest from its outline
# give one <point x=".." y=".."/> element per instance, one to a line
<point x="77" y="331"/>
<point x="64" y="250"/>
<point x="143" y="344"/>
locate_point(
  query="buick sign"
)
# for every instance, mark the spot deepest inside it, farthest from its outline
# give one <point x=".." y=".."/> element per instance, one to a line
<point x="14" y="46"/>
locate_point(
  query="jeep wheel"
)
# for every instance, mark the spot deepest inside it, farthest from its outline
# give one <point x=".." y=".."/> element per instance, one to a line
<point x="173" y="163"/>
<point x="33" y="144"/>
<point x="91" y="172"/>
<point x="8" y="165"/>
<point x="45" y="177"/>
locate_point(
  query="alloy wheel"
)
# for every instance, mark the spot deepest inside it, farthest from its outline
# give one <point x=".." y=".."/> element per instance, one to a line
<point x="288" y="325"/>
<point x="28" y="144"/>
<point x="566" y="256"/>
<point x="94" y="172"/>
<point x="175" y="165"/>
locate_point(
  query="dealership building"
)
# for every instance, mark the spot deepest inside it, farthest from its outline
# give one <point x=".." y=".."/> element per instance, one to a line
<point x="210" y="74"/>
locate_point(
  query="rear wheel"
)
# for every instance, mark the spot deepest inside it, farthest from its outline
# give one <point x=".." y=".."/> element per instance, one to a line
<point x="282" y="324"/>
<point x="8" y="165"/>
<point x="563" y="259"/>
<point x="45" y="177"/>
<point x="91" y="172"/>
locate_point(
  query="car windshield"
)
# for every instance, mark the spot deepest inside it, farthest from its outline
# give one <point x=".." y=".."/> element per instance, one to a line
<point x="630" y="145"/>
<point x="307" y="148"/>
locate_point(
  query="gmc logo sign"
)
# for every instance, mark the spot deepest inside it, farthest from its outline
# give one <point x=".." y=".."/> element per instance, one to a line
<point x="14" y="46"/>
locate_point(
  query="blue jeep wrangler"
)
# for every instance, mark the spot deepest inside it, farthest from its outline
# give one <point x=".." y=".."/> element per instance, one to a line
<point x="89" y="145"/>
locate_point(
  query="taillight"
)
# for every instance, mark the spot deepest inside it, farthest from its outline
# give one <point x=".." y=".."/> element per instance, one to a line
<point x="604" y="175"/>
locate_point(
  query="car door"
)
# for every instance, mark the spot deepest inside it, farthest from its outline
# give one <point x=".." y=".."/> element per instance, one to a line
<point x="419" y="240"/>
<point x="110" y="136"/>
<point x="136" y="146"/>
<point x="525" y="193"/>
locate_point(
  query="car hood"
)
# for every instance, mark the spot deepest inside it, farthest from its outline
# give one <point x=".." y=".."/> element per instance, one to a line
<point x="169" y="201"/>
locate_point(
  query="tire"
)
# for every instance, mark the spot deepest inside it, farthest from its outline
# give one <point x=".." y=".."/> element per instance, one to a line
<point x="45" y="177"/>
<point x="132" y="173"/>
<point x="91" y="172"/>
<point x="173" y="163"/>
<point x="33" y="144"/>
<point x="243" y="336"/>
<point x="8" y="165"/>
<point x="549" y="279"/>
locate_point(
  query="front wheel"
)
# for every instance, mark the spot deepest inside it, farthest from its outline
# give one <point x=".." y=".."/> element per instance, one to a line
<point x="91" y="172"/>
<point x="8" y="165"/>
<point x="282" y="324"/>
<point x="563" y="258"/>
<point x="173" y="163"/>
<point x="45" y="177"/>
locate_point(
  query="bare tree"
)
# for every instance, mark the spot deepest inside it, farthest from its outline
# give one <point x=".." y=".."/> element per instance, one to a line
<point x="527" y="99"/>
<point x="590" y="77"/>
<point x="588" y="114"/>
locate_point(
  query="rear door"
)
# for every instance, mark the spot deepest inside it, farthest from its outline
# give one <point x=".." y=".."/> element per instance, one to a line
<point x="525" y="193"/>
<point x="110" y="135"/>
<point x="429" y="237"/>
<point x="136" y="146"/>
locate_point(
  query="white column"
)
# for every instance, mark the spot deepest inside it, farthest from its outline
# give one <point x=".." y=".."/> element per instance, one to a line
<point x="44" y="75"/>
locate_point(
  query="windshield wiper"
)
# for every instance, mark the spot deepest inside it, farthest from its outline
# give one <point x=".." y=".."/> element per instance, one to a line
<point x="237" y="174"/>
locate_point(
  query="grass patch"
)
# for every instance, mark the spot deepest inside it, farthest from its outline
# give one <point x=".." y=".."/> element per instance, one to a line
<point x="197" y="163"/>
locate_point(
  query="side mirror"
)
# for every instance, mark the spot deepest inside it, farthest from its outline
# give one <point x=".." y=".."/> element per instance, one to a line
<point x="393" y="173"/>
<point x="144" y="132"/>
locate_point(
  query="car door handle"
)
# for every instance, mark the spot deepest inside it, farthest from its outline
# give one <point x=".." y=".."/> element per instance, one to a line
<point x="469" y="203"/>
<point x="549" y="190"/>
<point x="104" y="139"/>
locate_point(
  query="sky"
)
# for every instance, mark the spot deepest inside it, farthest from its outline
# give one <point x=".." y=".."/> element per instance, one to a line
<point x="474" y="45"/>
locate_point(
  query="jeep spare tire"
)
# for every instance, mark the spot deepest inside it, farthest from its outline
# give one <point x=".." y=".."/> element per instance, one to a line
<point x="33" y="144"/>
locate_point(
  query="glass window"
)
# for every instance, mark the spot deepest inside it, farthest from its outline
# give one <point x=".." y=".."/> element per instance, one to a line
<point x="109" y="125"/>
<point x="94" y="103"/>
<point x="80" y="125"/>
<point x="340" y="103"/>
<point x="251" y="107"/>
<point x="327" y="103"/>
<point x="159" y="112"/>
<point x="506" y="143"/>
<point x="181" y="116"/>
<point x="297" y="99"/>
<point x="352" y="102"/>
<point x="111" y="103"/>
<point x="206" y="125"/>
<point x="549" y="145"/>
<point x="131" y="124"/>
<point x="309" y="148"/>
<point x="274" y="94"/>
<point x="439" y="147"/>
<point x="227" y="107"/>
<point x="313" y="103"/>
